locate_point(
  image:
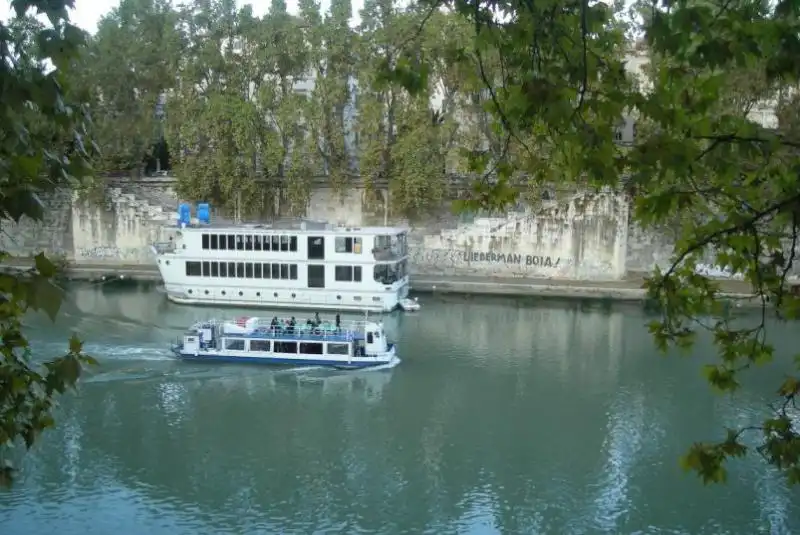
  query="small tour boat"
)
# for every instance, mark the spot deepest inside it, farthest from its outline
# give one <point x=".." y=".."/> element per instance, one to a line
<point x="359" y="344"/>
<point x="409" y="304"/>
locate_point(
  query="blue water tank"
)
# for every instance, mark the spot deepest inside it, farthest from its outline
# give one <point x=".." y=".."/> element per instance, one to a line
<point x="184" y="214"/>
<point x="204" y="213"/>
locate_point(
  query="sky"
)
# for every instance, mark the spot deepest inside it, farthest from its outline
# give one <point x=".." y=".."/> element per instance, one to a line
<point x="88" y="12"/>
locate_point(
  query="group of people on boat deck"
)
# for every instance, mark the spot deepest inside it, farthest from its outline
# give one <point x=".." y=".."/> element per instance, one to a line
<point x="288" y="326"/>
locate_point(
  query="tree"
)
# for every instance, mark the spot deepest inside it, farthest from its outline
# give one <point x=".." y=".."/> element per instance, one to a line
<point x="129" y="65"/>
<point x="44" y="146"/>
<point x="702" y="162"/>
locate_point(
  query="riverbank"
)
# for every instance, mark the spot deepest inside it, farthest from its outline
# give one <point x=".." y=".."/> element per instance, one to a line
<point x="629" y="289"/>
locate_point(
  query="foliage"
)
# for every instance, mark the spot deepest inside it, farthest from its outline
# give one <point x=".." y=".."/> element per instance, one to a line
<point x="701" y="160"/>
<point x="44" y="146"/>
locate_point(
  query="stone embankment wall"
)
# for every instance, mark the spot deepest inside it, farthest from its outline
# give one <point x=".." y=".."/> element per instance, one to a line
<point x="580" y="237"/>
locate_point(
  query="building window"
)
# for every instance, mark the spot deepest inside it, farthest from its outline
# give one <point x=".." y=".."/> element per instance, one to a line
<point x="204" y="239"/>
<point x="348" y="245"/>
<point x="193" y="269"/>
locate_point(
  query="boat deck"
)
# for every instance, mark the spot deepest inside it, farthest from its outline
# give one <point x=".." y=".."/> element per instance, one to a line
<point x="310" y="335"/>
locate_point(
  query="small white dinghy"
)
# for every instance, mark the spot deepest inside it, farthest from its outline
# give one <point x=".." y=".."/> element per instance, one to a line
<point x="409" y="305"/>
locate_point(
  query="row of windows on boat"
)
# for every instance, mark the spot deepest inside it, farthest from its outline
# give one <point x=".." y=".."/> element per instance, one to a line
<point x="283" y="243"/>
<point x="292" y="348"/>
<point x="383" y="273"/>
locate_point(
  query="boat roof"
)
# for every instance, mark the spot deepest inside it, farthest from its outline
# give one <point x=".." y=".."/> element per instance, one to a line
<point x="294" y="226"/>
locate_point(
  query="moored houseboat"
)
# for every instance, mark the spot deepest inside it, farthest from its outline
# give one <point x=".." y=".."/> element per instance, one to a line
<point x="289" y="264"/>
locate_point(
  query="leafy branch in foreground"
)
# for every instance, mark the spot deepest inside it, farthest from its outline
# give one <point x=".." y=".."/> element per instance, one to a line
<point x="702" y="165"/>
<point x="43" y="146"/>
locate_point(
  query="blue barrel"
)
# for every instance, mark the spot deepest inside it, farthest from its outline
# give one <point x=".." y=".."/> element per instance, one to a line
<point x="184" y="214"/>
<point x="204" y="213"/>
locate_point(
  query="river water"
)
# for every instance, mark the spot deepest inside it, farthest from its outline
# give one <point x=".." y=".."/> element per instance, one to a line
<point x="504" y="417"/>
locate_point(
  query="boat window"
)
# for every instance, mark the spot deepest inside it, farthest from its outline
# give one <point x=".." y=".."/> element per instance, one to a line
<point x="390" y="273"/>
<point x="274" y="240"/>
<point x="231" y="242"/>
<point x="266" y="271"/>
<point x="285" y="271"/>
<point x="248" y="270"/>
<point x="239" y="242"/>
<point x="266" y="243"/>
<point x="223" y="269"/>
<point x="316" y="276"/>
<point x="338" y="349"/>
<point x="240" y="270"/>
<point x="234" y="345"/>
<point x="206" y="269"/>
<point x="284" y="243"/>
<point x="343" y="273"/>
<point x="293" y="272"/>
<point x="357" y="274"/>
<point x="276" y="271"/>
<point x="231" y="269"/>
<point x="257" y="243"/>
<point x="214" y="241"/>
<point x="257" y="270"/>
<point x="193" y="269"/>
<point x="215" y="269"/>
<point x="286" y="347"/>
<point x="204" y="239"/>
<point x="348" y="245"/>
<point x="259" y="345"/>
<point x="222" y="242"/>
<point x="248" y="243"/>
<point x="293" y="243"/>
<point x="316" y="248"/>
<point x="369" y="338"/>
<point x="311" y="348"/>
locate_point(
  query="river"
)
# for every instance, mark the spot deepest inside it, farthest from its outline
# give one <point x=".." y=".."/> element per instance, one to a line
<point x="504" y="417"/>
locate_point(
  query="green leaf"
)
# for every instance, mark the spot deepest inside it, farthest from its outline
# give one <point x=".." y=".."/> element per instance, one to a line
<point x="44" y="266"/>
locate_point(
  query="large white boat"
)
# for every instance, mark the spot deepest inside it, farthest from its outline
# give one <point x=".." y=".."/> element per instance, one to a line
<point x="290" y="264"/>
<point x="359" y="344"/>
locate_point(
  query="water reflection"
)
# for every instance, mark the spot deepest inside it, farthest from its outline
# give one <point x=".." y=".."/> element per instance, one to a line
<point x="501" y="419"/>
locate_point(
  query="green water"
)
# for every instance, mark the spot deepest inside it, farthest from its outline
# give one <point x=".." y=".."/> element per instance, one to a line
<point x="502" y="418"/>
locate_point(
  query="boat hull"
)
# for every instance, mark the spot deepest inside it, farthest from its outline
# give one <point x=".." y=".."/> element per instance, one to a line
<point x="279" y="305"/>
<point x="390" y="357"/>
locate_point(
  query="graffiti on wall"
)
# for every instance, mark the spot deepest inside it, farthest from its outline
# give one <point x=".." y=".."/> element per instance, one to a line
<point x="102" y="252"/>
<point x="513" y="258"/>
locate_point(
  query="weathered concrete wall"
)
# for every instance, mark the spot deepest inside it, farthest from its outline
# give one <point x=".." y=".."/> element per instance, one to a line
<point x="117" y="230"/>
<point x="53" y="234"/>
<point x="581" y="239"/>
